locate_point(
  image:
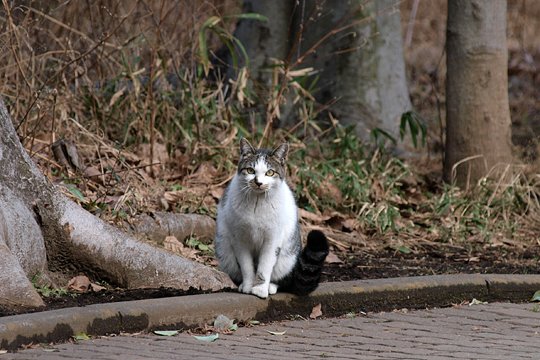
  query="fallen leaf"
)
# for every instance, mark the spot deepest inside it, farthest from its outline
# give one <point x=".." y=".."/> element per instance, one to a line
<point x="316" y="312"/>
<point x="308" y="215"/>
<point x="217" y="192"/>
<point x="477" y="302"/>
<point x="207" y="338"/>
<point x="96" y="287"/>
<point x="205" y="174"/>
<point x="79" y="284"/>
<point x="349" y="225"/>
<point x="166" y="332"/>
<point x="81" y="336"/>
<point x="277" y="333"/>
<point x="3" y="351"/>
<point x="536" y="296"/>
<point x="332" y="258"/>
<point x="222" y="323"/>
<point x="171" y="243"/>
<point x="254" y="322"/>
<point x="404" y="249"/>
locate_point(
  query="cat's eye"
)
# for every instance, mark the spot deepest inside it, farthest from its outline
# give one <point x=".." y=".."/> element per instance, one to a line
<point x="270" y="173"/>
<point x="250" y="171"/>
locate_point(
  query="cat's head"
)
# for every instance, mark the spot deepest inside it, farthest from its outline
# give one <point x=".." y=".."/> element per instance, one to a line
<point x="262" y="169"/>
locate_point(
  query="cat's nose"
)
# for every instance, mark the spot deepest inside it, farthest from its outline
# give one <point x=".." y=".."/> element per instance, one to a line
<point x="257" y="182"/>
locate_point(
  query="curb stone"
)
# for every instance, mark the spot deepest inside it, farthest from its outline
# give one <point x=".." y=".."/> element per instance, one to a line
<point x="191" y="311"/>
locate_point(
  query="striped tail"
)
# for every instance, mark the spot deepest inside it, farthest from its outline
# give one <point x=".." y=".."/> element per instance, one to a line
<point x="308" y="268"/>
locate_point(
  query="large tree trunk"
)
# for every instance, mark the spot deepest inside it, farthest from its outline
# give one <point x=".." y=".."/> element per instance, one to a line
<point x="264" y="40"/>
<point x="478" y="127"/>
<point x="43" y="232"/>
<point x="362" y="68"/>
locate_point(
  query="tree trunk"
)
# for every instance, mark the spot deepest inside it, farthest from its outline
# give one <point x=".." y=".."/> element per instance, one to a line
<point x="362" y="68"/>
<point x="478" y="127"/>
<point x="264" y="40"/>
<point x="43" y="232"/>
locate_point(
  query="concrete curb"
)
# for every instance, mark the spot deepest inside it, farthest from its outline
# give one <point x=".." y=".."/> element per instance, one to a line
<point x="191" y="311"/>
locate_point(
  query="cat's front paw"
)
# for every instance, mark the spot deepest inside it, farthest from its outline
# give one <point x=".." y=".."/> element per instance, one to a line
<point x="272" y="289"/>
<point x="245" y="288"/>
<point x="260" y="291"/>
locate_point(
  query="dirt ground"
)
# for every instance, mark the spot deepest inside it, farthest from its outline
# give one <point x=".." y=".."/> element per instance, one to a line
<point x="354" y="266"/>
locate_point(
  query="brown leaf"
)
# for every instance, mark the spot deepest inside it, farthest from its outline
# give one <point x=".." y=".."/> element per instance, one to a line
<point x="316" y="312"/>
<point x="94" y="174"/>
<point x="171" y="243"/>
<point x="205" y="174"/>
<point x="96" y="287"/>
<point x="349" y="225"/>
<point x="79" y="284"/>
<point x="312" y="217"/>
<point x="330" y="191"/>
<point x="217" y="192"/>
<point x="332" y="258"/>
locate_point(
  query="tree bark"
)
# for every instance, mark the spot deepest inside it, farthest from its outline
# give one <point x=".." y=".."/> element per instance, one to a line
<point x="478" y="126"/>
<point x="43" y="232"/>
<point x="264" y="40"/>
<point x="362" y="68"/>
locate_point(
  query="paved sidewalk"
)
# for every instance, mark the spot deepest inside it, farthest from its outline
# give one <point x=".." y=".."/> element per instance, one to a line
<point x="492" y="331"/>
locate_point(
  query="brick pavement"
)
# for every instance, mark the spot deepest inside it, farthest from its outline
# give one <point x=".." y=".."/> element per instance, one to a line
<point x="492" y="331"/>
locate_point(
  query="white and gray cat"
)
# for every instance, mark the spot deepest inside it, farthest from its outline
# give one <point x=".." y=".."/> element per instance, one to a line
<point x="258" y="235"/>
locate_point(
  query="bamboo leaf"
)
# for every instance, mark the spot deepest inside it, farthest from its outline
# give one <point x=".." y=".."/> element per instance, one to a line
<point x="207" y="338"/>
<point x="166" y="332"/>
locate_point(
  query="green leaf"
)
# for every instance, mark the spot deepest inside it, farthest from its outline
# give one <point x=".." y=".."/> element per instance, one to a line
<point x="166" y="332"/>
<point x="207" y="338"/>
<point x="416" y="125"/>
<point x="404" y="249"/>
<point x="233" y="327"/>
<point x="81" y="336"/>
<point x="203" y="247"/>
<point x="536" y="296"/>
<point x="254" y="322"/>
<point x="378" y="135"/>
<point x="76" y="192"/>
<point x="250" y="16"/>
<point x="277" y="333"/>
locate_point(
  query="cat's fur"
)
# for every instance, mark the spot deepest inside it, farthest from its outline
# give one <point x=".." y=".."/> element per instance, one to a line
<point x="258" y="236"/>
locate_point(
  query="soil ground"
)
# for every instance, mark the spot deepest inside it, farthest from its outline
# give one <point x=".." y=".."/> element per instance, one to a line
<point x="360" y="265"/>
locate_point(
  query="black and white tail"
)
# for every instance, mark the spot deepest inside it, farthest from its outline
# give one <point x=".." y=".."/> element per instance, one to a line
<point x="307" y="271"/>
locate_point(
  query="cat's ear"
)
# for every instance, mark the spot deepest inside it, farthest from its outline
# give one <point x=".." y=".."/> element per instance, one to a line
<point x="246" y="148"/>
<point x="281" y="152"/>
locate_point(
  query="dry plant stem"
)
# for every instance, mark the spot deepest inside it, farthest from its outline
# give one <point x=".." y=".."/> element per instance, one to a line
<point x="15" y="36"/>
<point x="61" y="71"/>
<point x="273" y="104"/>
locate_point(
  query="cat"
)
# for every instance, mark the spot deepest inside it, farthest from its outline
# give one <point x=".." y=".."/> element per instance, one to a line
<point x="257" y="230"/>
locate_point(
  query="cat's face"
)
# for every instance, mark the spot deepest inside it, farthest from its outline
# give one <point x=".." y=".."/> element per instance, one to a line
<point x="262" y="169"/>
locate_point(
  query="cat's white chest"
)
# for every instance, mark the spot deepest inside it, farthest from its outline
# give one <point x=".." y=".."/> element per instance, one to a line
<point x="257" y="217"/>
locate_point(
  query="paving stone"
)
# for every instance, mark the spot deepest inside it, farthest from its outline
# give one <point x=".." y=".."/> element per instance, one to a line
<point x="492" y="331"/>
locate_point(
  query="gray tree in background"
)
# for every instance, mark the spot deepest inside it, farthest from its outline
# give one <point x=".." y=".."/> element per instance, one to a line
<point x="354" y="46"/>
